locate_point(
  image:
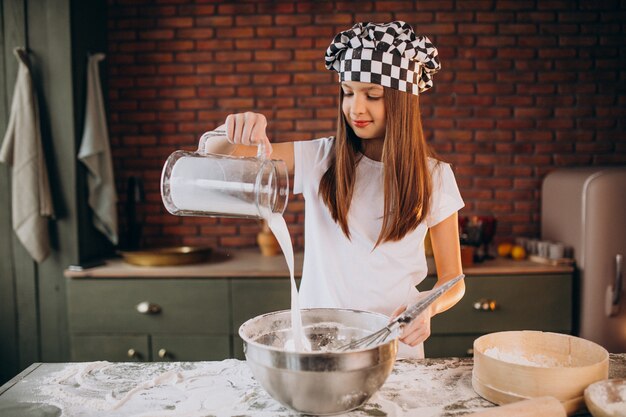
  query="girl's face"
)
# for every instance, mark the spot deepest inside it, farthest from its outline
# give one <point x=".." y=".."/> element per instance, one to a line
<point x="364" y="108"/>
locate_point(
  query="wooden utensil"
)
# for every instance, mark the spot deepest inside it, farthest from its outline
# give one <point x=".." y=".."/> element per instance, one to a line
<point x="535" y="407"/>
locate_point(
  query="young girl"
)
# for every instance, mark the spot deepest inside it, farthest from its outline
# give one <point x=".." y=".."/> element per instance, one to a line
<point x="372" y="191"/>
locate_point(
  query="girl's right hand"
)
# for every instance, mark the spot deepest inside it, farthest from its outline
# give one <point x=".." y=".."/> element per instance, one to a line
<point x="248" y="129"/>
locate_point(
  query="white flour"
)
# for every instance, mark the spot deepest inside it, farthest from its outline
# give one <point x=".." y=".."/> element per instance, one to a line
<point x="96" y="389"/>
<point x="520" y="358"/>
<point x="277" y="224"/>
<point x="610" y="396"/>
<point x="201" y="187"/>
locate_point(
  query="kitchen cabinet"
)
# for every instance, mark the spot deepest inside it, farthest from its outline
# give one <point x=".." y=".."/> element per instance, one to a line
<point x="149" y="320"/>
<point x="501" y="302"/>
<point x="253" y="297"/>
<point x="194" y="312"/>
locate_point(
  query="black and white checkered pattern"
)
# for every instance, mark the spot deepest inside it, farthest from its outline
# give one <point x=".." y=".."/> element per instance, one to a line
<point x="389" y="54"/>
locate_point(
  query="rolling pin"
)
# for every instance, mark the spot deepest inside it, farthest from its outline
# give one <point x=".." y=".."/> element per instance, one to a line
<point x="535" y="407"/>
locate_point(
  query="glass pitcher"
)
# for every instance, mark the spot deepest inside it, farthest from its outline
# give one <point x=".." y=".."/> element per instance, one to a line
<point x="205" y="184"/>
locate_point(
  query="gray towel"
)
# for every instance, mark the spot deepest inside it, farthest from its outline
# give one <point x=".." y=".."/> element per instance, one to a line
<point x="22" y="150"/>
<point x="95" y="153"/>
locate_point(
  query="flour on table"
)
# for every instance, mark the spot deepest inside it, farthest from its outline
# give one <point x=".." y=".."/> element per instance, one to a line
<point x="422" y="388"/>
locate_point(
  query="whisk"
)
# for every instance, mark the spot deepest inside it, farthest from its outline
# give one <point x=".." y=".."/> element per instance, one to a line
<point x="406" y="317"/>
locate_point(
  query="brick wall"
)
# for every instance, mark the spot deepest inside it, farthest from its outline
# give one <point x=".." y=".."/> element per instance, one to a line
<point x="526" y="87"/>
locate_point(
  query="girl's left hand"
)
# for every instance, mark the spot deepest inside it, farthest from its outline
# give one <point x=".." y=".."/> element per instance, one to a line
<point x="418" y="330"/>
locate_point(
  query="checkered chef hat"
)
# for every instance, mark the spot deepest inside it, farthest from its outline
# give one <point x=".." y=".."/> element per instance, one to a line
<point x="389" y="54"/>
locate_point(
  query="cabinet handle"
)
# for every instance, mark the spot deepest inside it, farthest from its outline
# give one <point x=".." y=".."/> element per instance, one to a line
<point x="469" y="352"/>
<point x="133" y="354"/>
<point x="485" y="304"/>
<point x="146" y="307"/>
<point x="163" y="353"/>
<point x="614" y="293"/>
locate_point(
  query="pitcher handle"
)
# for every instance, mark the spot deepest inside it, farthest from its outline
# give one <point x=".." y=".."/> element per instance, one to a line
<point x="260" y="153"/>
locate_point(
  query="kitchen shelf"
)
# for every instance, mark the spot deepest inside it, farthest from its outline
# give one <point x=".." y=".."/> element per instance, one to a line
<point x="200" y="307"/>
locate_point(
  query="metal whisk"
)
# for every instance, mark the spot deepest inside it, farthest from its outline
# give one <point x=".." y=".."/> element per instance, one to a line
<point x="406" y="317"/>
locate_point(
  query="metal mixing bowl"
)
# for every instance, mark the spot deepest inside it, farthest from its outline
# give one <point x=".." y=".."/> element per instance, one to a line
<point x="322" y="381"/>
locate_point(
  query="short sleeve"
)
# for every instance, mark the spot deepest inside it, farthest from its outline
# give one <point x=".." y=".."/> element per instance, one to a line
<point x="446" y="198"/>
<point x="311" y="159"/>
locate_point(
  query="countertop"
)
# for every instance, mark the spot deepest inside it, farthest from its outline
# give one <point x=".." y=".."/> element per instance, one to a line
<point x="421" y="388"/>
<point x="251" y="264"/>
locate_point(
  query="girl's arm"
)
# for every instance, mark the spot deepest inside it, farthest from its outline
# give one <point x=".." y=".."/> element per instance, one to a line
<point x="241" y="135"/>
<point x="446" y="247"/>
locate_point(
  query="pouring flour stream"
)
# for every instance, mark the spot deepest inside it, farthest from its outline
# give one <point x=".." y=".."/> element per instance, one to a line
<point x="205" y="184"/>
<point x="299" y="342"/>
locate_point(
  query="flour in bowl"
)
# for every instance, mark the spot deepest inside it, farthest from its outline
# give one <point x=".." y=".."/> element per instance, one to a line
<point x="519" y="358"/>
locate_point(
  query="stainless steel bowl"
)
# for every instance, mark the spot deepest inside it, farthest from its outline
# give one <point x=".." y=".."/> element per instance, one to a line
<point x="322" y="381"/>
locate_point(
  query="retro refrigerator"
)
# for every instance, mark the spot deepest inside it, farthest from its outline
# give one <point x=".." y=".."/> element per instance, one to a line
<point x="585" y="208"/>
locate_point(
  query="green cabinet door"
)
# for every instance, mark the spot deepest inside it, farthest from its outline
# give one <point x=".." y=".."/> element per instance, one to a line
<point x="449" y="346"/>
<point x="110" y="347"/>
<point x="253" y="297"/>
<point x="190" y="348"/>
<point x="514" y="302"/>
<point x="175" y="306"/>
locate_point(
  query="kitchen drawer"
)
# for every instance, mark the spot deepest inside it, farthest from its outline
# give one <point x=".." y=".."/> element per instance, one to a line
<point x="190" y="348"/>
<point x="185" y="306"/>
<point x="114" y="348"/>
<point x="522" y="302"/>
<point x="253" y="297"/>
<point x="448" y="346"/>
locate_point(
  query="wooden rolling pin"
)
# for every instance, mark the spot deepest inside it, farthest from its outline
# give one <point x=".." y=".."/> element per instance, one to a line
<point x="535" y="407"/>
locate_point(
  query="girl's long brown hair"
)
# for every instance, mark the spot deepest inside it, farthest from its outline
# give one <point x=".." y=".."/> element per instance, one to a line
<point x="407" y="180"/>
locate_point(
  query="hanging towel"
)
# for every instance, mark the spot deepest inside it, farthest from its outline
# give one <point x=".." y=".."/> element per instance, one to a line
<point x="22" y="150"/>
<point x="95" y="153"/>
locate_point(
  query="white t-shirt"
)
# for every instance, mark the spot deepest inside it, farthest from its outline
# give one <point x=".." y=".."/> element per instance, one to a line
<point x="343" y="273"/>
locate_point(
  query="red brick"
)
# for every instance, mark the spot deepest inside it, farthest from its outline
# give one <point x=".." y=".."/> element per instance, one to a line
<point x="293" y="43"/>
<point x="273" y="55"/>
<point x="334" y="19"/>
<point x="175" y="45"/>
<point x="217" y="91"/>
<point x="477" y="28"/>
<point x="237" y="32"/>
<point x="521" y="29"/>
<point x="514" y="124"/>
<point x="195" y="104"/>
<point x="239" y="104"/>
<point x="196" y="33"/>
<point x="474" y="100"/>
<point x="496" y="41"/>
<point x="454" y="17"/>
<point x="294" y="65"/>
<point x="193" y="80"/>
<point x="233" y="56"/>
<point x="196" y="9"/>
<point x="215" y="45"/>
<point x="278" y="103"/>
<point x="157" y="34"/>
<point x="275" y="31"/>
<point x="175" y="22"/>
<point x="236" y="8"/>
<point x="175" y="69"/>
<point x="493" y="135"/>
<point x="157" y="104"/>
<point x="253" y="43"/>
<point x="215" y="21"/>
<point x="272" y="79"/>
<point x="294" y="90"/>
<point x="276" y="7"/>
<point x="255" y="91"/>
<point x="232" y="79"/>
<point x="253" y="20"/>
<point x="555" y="124"/>
<point x="293" y="20"/>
